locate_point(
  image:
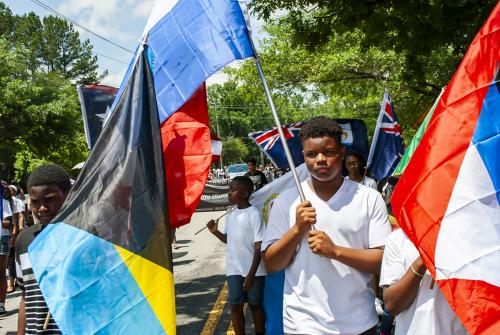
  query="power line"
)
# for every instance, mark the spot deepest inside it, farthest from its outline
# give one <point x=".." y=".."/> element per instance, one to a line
<point x="53" y="11"/>
<point x="114" y="59"/>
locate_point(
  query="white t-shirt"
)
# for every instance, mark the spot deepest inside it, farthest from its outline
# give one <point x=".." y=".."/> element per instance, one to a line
<point x="369" y="182"/>
<point x="243" y="227"/>
<point x="429" y="313"/>
<point x="323" y="296"/>
<point x="6" y="213"/>
<point x="19" y="205"/>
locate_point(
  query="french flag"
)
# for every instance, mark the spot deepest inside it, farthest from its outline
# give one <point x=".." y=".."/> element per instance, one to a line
<point x="448" y="198"/>
<point x="187" y="41"/>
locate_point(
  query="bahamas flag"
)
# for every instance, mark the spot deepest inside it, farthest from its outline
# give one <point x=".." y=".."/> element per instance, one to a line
<point x="105" y="265"/>
<point x="448" y="199"/>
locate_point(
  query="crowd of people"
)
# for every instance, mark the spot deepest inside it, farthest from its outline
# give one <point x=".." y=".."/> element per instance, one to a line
<point x="330" y="246"/>
<point x="269" y="170"/>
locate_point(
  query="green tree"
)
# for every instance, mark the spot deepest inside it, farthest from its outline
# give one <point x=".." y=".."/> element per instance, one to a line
<point x="54" y="46"/>
<point x="418" y="31"/>
<point x="233" y="151"/>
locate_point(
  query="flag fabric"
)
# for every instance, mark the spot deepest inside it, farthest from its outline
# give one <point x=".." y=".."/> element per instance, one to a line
<point x="96" y="102"/>
<point x="387" y="145"/>
<point x="354" y="138"/>
<point x="410" y="149"/>
<point x="448" y="199"/>
<point x="216" y="144"/>
<point x="269" y="142"/>
<point x="189" y="40"/>
<point x="187" y="155"/>
<point x="105" y="265"/>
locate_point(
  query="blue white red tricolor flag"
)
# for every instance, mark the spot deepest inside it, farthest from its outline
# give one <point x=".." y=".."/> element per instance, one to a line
<point x="387" y="144"/>
<point x="354" y="138"/>
<point x="448" y="198"/>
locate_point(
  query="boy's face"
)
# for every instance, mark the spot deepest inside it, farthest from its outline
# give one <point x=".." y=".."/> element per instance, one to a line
<point x="236" y="192"/>
<point x="46" y="200"/>
<point x="323" y="157"/>
<point x="251" y="167"/>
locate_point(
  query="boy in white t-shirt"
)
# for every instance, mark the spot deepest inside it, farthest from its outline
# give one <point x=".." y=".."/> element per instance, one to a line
<point x="419" y="307"/>
<point x="328" y="245"/>
<point x="243" y="232"/>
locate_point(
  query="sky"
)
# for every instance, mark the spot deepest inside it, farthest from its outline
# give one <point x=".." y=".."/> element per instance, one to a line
<point x="121" y="21"/>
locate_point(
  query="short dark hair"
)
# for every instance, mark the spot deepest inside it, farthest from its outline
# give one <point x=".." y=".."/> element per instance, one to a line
<point x="50" y="174"/>
<point x="244" y="181"/>
<point x="252" y="160"/>
<point x="321" y="126"/>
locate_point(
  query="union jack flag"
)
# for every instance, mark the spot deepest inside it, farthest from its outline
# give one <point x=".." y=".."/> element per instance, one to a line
<point x="267" y="138"/>
<point x="387" y="145"/>
<point x="269" y="142"/>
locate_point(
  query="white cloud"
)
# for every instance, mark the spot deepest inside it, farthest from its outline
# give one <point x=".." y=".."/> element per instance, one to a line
<point x="118" y="20"/>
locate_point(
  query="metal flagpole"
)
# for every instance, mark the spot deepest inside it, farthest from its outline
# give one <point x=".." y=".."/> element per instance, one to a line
<point x="288" y="154"/>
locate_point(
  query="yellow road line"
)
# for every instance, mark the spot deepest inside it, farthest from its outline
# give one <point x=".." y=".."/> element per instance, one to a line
<point x="216" y="312"/>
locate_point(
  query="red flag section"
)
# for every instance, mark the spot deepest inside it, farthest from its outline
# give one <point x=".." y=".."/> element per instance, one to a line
<point x="421" y="198"/>
<point x="187" y="154"/>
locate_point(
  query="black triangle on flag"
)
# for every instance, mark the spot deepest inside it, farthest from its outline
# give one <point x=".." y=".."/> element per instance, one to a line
<point x="120" y="194"/>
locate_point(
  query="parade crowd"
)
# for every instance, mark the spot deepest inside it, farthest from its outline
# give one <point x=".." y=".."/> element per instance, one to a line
<point x="340" y="253"/>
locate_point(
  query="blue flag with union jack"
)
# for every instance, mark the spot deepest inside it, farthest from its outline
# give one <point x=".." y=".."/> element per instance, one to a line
<point x="354" y="138"/>
<point x="387" y="147"/>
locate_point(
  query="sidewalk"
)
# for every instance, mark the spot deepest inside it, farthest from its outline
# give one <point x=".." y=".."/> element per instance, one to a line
<point x="8" y="323"/>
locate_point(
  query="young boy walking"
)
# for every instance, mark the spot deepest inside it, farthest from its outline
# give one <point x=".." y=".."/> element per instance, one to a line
<point x="328" y="245"/>
<point x="245" y="272"/>
<point x="48" y="187"/>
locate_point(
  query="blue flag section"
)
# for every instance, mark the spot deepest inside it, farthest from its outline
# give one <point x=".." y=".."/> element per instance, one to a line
<point x="354" y="137"/>
<point x="387" y="147"/>
<point x="105" y="265"/>
<point x="189" y="40"/>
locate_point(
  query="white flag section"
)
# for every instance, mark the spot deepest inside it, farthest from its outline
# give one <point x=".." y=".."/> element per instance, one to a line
<point x="283" y="183"/>
<point x="473" y="218"/>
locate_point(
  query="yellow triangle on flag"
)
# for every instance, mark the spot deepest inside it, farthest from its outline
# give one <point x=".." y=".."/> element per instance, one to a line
<point x="157" y="285"/>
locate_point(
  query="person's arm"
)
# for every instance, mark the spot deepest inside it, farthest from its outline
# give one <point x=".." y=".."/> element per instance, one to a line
<point x="280" y="254"/>
<point x="213" y="228"/>
<point x="249" y="279"/>
<point x="21" y="317"/>
<point x="400" y="295"/>
<point x="366" y="260"/>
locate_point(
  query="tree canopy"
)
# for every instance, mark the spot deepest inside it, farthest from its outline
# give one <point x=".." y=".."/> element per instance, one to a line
<point x="418" y="31"/>
<point x="336" y="58"/>
<point x="40" y="118"/>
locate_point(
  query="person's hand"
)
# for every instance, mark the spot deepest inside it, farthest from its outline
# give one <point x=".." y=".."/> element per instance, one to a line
<point x="321" y="244"/>
<point x="212" y="226"/>
<point x="248" y="282"/>
<point x="305" y="216"/>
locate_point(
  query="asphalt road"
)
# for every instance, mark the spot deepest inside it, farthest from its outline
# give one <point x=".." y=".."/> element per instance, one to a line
<point x="199" y="270"/>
